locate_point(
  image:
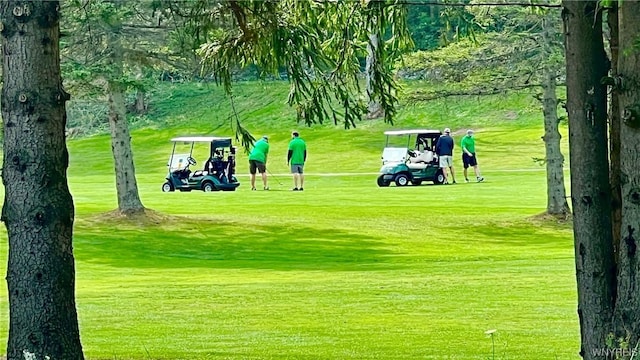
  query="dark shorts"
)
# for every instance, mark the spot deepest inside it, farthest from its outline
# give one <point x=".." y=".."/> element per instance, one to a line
<point x="255" y="164"/>
<point x="469" y="160"/>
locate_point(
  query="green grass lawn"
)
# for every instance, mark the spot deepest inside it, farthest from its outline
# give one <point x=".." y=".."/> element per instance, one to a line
<point x="343" y="270"/>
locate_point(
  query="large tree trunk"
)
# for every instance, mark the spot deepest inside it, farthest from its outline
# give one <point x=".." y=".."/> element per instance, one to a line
<point x="614" y="131"/>
<point x="126" y="184"/>
<point x="627" y="314"/>
<point x="590" y="191"/>
<point x="556" y="196"/>
<point x="38" y="209"/>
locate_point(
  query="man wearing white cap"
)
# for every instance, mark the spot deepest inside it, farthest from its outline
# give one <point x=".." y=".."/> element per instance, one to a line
<point x="468" y="145"/>
<point x="444" y="150"/>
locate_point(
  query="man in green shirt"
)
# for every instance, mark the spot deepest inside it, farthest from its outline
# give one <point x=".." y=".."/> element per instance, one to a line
<point x="296" y="156"/>
<point x="468" y="145"/>
<point x="258" y="161"/>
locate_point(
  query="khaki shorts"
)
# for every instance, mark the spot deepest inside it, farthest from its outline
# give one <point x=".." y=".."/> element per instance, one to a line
<point x="445" y="161"/>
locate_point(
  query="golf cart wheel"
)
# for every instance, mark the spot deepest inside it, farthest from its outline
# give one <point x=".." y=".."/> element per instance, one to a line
<point x="402" y="180"/>
<point x="382" y="182"/>
<point x="439" y="179"/>
<point x="416" y="182"/>
<point x="167" y="187"/>
<point x="208" y="187"/>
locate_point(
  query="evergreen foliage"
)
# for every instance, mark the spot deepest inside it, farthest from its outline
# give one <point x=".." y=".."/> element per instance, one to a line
<point x="509" y="54"/>
<point x="320" y="45"/>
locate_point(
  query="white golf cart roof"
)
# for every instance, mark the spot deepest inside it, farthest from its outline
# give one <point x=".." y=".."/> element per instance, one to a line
<point x="412" y="132"/>
<point x="207" y="139"/>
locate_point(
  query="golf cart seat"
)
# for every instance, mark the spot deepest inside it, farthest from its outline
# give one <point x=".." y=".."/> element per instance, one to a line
<point x="419" y="160"/>
<point x="215" y="165"/>
<point x="424" y="157"/>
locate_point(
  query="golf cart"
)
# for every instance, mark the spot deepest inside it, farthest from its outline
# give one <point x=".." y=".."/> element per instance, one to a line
<point x="409" y="157"/>
<point x="217" y="173"/>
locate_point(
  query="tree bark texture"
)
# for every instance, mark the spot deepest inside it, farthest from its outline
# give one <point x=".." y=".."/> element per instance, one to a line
<point x="628" y="301"/>
<point x="141" y="105"/>
<point x="126" y="184"/>
<point x="374" y="109"/>
<point x="556" y="195"/>
<point x="614" y="130"/>
<point x="590" y="191"/>
<point x="38" y="209"/>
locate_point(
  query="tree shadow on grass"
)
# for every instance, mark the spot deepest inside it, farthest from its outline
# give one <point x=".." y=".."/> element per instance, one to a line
<point x="522" y="234"/>
<point x="188" y="243"/>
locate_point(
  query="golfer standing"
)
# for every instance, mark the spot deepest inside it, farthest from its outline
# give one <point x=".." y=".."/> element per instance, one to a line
<point x="296" y="156"/>
<point x="258" y="161"/>
<point x="444" y="150"/>
<point x="468" y="145"/>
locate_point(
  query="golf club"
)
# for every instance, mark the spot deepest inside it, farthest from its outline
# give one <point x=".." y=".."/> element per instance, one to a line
<point x="274" y="177"/>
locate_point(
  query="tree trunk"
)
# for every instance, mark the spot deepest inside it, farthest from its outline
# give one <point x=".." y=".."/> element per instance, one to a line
<point x="556" y="196"/>
<point x="141" y="105"/>
<point x="126" y="184"/>
<point x="590" y="191"/>
<point x="614" y="131"/>
<point x="628" y="302"/>
<point x="38" y="209"/>
<point x="374" y="109"/>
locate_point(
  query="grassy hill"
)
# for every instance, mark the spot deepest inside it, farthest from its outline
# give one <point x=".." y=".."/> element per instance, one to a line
<point x="504" y="124"/>
<point x="343" y="270"/>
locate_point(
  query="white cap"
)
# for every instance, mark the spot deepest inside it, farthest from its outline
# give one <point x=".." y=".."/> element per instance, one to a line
<point x="447" y="130"/>
<point x="469" y="132"/>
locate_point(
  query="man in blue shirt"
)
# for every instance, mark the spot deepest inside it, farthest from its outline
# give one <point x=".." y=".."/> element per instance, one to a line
<point x="444" y="150"/>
